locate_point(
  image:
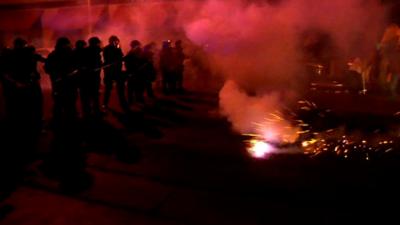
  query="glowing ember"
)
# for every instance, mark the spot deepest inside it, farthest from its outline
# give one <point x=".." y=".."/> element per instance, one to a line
<point x="305" y="144"/>
<point x="333" y="142"/>
<point x="347" y="147"/>
<point x="260" y="149"/>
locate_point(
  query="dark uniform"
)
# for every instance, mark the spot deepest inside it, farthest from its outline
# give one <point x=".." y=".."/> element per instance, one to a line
<point x="60" y="66"/>
<point x="22" y="81"/>
<point x="8" y="155"/>
<point x="37" y="94"/>
<point x="113" y="58"/>
<point x="90" y="81"/>
<point x="79" y="56"/>
<point x="20" y="132"/>
<point x="149" y="69"/>
<point x="65" y="161"/>
<point x="4" y="66"/>
<point x="133" y="63"/>
<point x="167" y="67"/>
<point x="3" y="52"/>
<point x="179" y="67"/>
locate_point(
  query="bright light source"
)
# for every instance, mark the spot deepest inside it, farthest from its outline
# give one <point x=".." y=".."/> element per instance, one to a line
<point x="260" y="149"/>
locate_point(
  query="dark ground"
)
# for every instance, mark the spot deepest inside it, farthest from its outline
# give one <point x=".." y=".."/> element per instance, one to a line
<point x="178" y="162"/>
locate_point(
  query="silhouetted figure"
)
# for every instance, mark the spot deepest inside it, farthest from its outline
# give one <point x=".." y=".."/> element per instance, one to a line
<point x="60" y="66"/>
<point x="9" y="171"/>
<point x="2" y="64"/>
<point x="113" y="58"/>
<point x="37" y="94"/>
<point x="3" y="53"/>
<point x="23" y="84"/>
<point x="179" y="58"/>
<point x="148" y="69"/>
<point x="167" y="67"/>
<point x="90" y="81"/>
<point x="5" y="56"/>
<point x="2" y="49"/>
<point x="134" y="63"/>
<point x="79" y="56"/>
<point x="66" y="161"/>
<point x="21" y="130"/>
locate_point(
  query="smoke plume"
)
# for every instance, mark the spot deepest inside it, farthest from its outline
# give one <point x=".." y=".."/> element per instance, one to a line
<point x="257" y="45"/>
<point x="260" y="48"/>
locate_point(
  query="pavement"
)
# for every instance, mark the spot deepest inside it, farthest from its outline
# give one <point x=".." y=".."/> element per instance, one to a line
<point x="188" y="167"/>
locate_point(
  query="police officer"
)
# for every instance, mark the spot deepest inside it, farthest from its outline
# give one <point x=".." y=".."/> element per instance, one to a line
<point x="60" y="66"/>
<point x="79" y="56"/>
<point x="167" y="67"/>
<point x="113" y="58"/>
<point x="36" y="103"/>
<point x="149" y="69"/>
<point x="20" y="131"/>
<point x="133" y="63"/>
<point x="179" y="58"/>
<point x="90" y="80"/>
<point x="23" y="84"/>
<point x="67" y="68"/>
<point x="4" y="66"/>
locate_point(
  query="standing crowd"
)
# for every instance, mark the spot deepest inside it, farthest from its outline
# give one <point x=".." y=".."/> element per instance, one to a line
<point x="75" y="72"/>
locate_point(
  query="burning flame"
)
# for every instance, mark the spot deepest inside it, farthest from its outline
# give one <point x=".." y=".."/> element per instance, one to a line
<point x="260" y="149"/>
<point x="274" y="129"/>
<point x="333" y="142"/>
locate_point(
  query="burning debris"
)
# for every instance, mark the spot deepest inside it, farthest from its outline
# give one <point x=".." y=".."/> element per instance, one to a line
<point x="268" y="56"/>
<point x="320" y="140"/>
<point x="260" y="149"/>
<point x="347" y="147"/>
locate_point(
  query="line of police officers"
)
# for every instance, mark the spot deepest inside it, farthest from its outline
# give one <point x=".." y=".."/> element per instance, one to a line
<point x="77" y="70"/>
<point x="73" y="72"/>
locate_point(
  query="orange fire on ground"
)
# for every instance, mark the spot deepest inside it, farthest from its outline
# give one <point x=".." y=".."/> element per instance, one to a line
<point x="274" y="129"/>
<point x="280" y="136"/>
<point x="260" y="149"/>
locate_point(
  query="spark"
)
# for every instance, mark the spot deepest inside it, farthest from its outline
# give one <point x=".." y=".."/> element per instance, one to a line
<point x="388" y="150"/>
<point x="308" y="143"/>
<point x="281" y="128"/>
<point x="260" y="149"/>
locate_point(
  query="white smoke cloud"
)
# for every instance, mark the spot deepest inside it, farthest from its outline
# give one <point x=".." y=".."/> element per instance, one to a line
<point x="256" y="45"/>
<point x="256" y="115"/>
